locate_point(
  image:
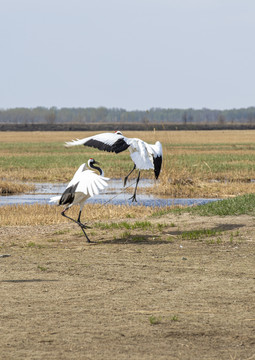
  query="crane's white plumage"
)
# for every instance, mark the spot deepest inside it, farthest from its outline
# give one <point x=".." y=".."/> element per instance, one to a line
<point x="84" y="184"/>
<point x="145" y="156"/>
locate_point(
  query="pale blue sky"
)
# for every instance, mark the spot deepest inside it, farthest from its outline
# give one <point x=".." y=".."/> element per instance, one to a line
<point x="131" y="54"/>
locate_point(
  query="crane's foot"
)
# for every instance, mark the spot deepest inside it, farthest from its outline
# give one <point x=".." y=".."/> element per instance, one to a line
<point x="84" y="226"/>
<point x="133" y="198"/>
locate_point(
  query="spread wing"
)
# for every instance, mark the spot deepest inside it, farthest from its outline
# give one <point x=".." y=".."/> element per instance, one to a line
<point x="77" y="175"/>
<point x="85" y="181"/>
<point x="110" y="142"/>
<point x="91" y="183"/>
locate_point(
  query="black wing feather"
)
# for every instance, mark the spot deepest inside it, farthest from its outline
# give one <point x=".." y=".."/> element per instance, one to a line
<point x="157" y="165"/>
<point x="119" y="146"/>
<point x="68" y="195"/>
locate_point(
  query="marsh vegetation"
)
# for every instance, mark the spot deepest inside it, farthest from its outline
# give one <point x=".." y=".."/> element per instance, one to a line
<point x="195" y="163"/>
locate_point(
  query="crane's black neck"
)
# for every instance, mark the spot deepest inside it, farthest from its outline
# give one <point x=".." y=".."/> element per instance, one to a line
<point x="97" y="168"/>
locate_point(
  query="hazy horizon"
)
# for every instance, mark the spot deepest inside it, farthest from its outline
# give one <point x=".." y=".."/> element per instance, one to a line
<point x="119" y="108"/>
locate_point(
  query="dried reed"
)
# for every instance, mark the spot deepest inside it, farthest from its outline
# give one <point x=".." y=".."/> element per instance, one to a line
<point x="7" y="187"/>
<point x="195" y="188"/>
<point x="49" y="214"/>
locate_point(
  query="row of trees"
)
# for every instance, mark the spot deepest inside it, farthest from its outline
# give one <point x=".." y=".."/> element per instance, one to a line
<point x="53" y="115"/>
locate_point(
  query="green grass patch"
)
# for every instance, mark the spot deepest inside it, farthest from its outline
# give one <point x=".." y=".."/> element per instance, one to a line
<point x="31" y="244"/>
<point x="125" y="234"/>
<point x="160" y="226"/>
<point x="154" y="320"/>
<point x="62" y="232"/>
<point x="141" y="225"/>
<point x="198" y="234"/>
<point x="240" y="205"/>
<point x="175" y="318"/>
<point x="170" y="239"/>
<point x="113" y="225"/>
<point x="124" y="225"/>
<point x="138" y="238"/>
<point x="42" y="268"/>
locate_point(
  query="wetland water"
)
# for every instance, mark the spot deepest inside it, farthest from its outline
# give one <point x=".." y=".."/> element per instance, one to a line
<point x="114" y="194"/>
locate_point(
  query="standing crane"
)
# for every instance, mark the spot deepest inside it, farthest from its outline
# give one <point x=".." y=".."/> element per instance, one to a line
<point x="145" y="156"/>
<point x="85" y="184"/>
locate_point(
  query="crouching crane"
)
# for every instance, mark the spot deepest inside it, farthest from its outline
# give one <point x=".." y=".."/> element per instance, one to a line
<point x="85" y="184"/>
<point x="145" y="156"/>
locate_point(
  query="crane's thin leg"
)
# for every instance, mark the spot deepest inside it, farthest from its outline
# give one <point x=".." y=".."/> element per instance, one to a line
<point x="137" y="181"/>
<point x="125" y="179"/>
<point x="85" y="233"/>
<point x="79" y="223"/>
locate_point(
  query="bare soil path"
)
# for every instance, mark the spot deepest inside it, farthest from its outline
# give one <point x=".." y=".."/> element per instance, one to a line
<point x="159" y="293"/>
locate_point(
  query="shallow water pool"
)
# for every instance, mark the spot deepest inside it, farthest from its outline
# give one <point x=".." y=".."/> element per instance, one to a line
<point x="114" y="194"/>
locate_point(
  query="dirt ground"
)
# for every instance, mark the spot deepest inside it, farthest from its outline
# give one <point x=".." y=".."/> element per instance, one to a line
<point x="147" y="294"/>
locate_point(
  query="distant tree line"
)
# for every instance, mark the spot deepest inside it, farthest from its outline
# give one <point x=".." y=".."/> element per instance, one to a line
<point x="53" y="115"/>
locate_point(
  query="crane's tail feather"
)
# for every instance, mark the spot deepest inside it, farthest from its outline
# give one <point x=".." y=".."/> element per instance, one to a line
<point x="55" y="199"/>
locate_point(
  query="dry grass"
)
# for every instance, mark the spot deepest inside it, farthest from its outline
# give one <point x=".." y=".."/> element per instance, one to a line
<point x="233" y="137"/>
<point x="184" y="186"/>
<point x="47" y="214"/>
<point x="7" y="187"/>
<point x="39" y="175"/>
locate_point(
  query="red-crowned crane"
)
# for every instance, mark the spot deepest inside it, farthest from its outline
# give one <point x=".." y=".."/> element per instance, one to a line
<point x="145" y="156"/>
<point x="85" y="184"/>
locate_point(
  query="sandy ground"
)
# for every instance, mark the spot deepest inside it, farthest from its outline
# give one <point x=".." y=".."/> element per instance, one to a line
<point x="147" y="294"/>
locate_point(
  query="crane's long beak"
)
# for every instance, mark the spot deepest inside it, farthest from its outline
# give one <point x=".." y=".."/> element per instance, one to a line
<point x="96" y="162"/>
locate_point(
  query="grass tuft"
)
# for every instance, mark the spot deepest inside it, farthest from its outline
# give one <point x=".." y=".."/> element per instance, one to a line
<point x="175" y="318"/>
<point x="155" y="320"/>
<point x="42" y="268"/>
